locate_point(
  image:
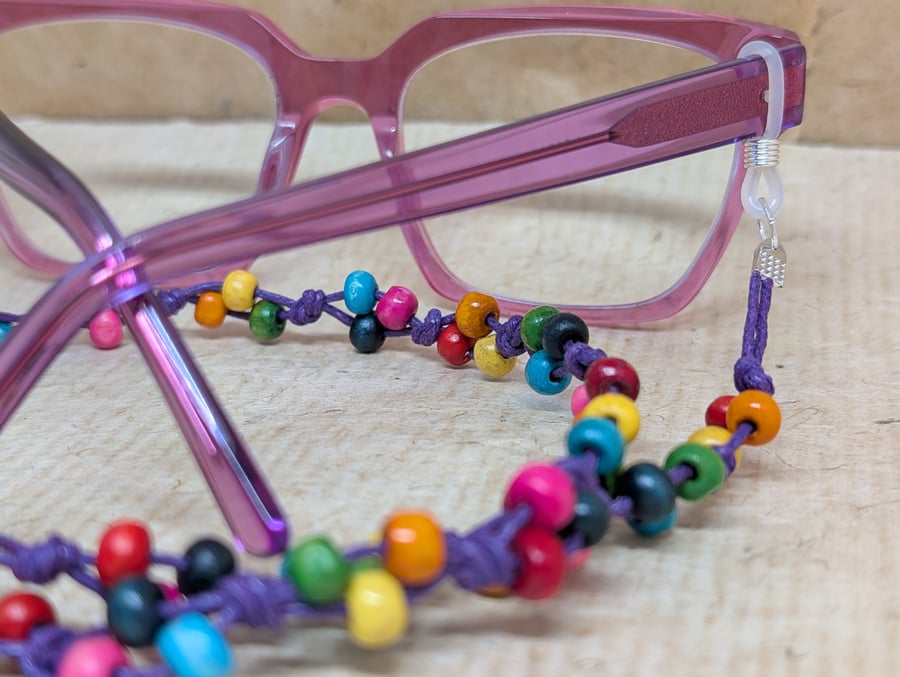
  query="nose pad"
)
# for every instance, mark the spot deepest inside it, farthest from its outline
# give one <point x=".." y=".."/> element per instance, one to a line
<point x="340" y="138"/>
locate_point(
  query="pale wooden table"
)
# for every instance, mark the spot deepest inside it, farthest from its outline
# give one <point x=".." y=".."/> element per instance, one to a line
<point x="790" y="570"/>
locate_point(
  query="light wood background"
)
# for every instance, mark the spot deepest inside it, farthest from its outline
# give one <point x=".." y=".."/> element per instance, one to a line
<point x="854" y="61"/>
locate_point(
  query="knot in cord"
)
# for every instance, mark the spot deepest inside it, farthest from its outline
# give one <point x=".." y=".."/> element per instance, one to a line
<point x="425" y="332"/>
<point x="173" y="300"/>
<point x="254" y="600"/>
<point x="43" y="649"/>
<point x="750" y="375"/>
<point x="579" y="356"/>
<point x="483" y="557"/>
<point x="308" y="308"/>
<point x="42" y="562"/>
<point x="509" y="337"/>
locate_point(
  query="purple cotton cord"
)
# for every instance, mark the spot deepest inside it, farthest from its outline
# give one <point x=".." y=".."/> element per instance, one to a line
<point x="748" y="370"/>
<point x="508" y="335"/>
<point x="578" y="357"/>
<point x="44" y="647"/>
<point x="42" y="562"/>
<point x="425" y="332"/>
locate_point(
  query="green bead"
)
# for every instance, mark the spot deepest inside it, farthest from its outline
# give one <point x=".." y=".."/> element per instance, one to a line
<point x="532" y="326"/>
<point x="318" y="570"/>
<point x="265" y="320"/>
<point x="708" y="467"/>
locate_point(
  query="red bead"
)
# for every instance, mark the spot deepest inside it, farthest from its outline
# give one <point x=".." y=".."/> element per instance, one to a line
<point x="20" y="612"/>
<point x="542" y="563"/>
<point x="124" y="551"/>
<point x="610" y="374"/>
<point x="454" y="346"/>
<point x="715" y="412"/>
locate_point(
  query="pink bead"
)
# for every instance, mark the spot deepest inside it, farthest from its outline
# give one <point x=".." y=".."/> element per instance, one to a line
<point x="580" y="398"/>
<point x="96" y="656"/>
<point x="396" y="307"/>
<point x="577" y="559"/>
<point x="170" y="592"/>
<point x="106" y="329"/>
<point x="548" y="490"/>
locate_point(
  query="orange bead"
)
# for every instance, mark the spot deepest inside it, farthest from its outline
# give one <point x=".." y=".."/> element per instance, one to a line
<point x="210" y="310"/>
<point x="414" y="549"/>
<point x="760" y="410"/>
<point x="496" y="591"/>
<point x="472" y="314"/>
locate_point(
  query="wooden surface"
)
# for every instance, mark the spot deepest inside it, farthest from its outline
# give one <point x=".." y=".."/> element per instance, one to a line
<point x="853" y="59"/>
<point x="789" y="570"/>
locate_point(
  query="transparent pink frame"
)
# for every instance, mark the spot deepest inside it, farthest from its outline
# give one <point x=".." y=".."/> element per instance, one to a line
<point x="698" y="110"/>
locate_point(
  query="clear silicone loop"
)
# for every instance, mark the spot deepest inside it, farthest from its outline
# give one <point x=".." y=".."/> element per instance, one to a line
<point x="750" y="196"/>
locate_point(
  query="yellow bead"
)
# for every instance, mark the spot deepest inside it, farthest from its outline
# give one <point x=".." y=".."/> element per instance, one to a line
<point x="472" y="313"/>
<point x="714" y="436"/>
<point x="239" y="290"/>
<point x="618" y="407"/>
<point x="489" y="361"/>
<point x="377" y="611"/>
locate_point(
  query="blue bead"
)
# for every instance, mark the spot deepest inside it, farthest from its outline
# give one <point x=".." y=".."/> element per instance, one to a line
<point x="538" y="374"/>
<point x="655" y="527"/>
<point x="366" y="333"/>
<point x="132" y="611"/>
<point x="5" y="328"/>
<point x="601" y="437"/>
<point x="651" y="491"/>
<point x="191" y="646"/>
<point x="359" y="292"/>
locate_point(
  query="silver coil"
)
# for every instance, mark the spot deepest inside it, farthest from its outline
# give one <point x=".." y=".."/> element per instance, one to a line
<point x="761" y="152"/>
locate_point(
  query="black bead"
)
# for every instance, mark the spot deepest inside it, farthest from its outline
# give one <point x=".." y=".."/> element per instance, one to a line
<point x="650" y="490"/>
<point x="366" y="333"/>
<point x="559" y="329"/>
<point x="206" y="561"/>
<point x="591" y="519"/>
<point x="132" y="611"/>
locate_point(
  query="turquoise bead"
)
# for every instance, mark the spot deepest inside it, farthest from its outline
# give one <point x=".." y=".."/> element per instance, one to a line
<point x="5" y="328"/>
<point x="538" y="374"/>
<point x="655" y="527"/>
<point x="601" y="437"/>
<point x="359" y="292"/>
<point x="191" y="646"/>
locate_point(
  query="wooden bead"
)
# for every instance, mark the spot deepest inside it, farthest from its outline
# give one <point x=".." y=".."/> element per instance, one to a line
<point x="124" y="551"/>
<point x="359" y="292"/>
<point x="132" y="613"/>
<point x="532" y="327"/>
<point x="21" y="612"/>
<point x="715" y="436"/>
<point x="489" y="360"/>
<point x="105" y="329"/>
<point x="542" y="563"/>
<point x="266" y="321"/>
<point x="560" y="329"/>
<point x="92" y="656"/>
<point x="413" y="548"/>
<point x="760" y="410"/>
<point x="539" y="374"/>
<point x="239" y="290"/>
<point x="715" y="412"/>
<point x="395" y="308"/>
<point x="617" y="407"/>
<point x="377" y="610"/>
<point x="191" y="646"/>
<point x="205" y="562"/>
<point x="454" y="346"/>
<point x="590" y="519"/>
<point x="707" y="465"/>
<point x="610" y="374"/>
<point x="472" y="313"/>
<point x="210" y="310"/>
<point x="547" y="490"/>
<point x="318" y="570"/>
<point x="650" y="490"/>
<point x="600" y="437"/>
<point x="366" y="333"/>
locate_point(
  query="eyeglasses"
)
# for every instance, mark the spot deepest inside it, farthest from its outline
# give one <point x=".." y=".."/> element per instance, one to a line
<point x="664" y="120"/>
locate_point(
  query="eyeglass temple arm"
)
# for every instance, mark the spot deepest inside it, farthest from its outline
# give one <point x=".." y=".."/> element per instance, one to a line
<point x="246" y="501"/>
<point x="559" y="148"/>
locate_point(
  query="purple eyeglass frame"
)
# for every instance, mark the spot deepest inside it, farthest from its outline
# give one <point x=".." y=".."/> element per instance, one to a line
<point x="714" y="106"/>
